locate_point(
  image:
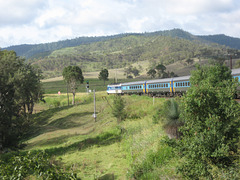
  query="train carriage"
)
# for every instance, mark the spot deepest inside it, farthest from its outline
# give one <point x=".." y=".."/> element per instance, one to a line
<point x="160" y="87"/>
<point x="114" y="89"/>
<point x="134" y="87"/>
<point x="181" y="85"/>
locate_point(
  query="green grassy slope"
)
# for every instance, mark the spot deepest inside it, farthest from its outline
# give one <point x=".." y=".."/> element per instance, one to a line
<point x="99" y="149"/>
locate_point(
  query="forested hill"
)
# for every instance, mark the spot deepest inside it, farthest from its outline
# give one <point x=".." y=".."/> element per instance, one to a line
<point x="223" y="40"/>
<point x="43" y="50"/>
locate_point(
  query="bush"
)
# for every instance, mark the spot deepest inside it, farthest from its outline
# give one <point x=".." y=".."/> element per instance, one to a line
<point x="32" y="164"/>
<point x="118" y="108"/>
<point x="211" y="122"/>
<point x="171" y="114"/>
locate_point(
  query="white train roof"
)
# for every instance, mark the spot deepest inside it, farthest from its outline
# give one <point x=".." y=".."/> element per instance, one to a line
<point x="236" y="71"/>
<point x="166" y="80"/>
<point x="133" y="83"/>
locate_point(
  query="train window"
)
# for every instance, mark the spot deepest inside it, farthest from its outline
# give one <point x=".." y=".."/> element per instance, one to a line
<point x="166" y="85"/>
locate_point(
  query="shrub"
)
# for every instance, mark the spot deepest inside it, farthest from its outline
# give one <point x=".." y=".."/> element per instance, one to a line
<point x="118" y="108"/>
<point x="171" y="114"/>
<point x="32" y="164"/>
<point x="211" y="122"/>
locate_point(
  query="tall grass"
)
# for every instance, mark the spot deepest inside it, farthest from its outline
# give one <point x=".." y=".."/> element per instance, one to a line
<point x="100" y="149"/>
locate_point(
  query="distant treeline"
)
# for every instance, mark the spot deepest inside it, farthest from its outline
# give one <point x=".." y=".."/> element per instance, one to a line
<point x="119" y="51"/>
<point x="42" y="50"/>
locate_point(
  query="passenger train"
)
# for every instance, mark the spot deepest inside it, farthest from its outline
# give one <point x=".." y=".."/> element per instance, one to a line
<point x="176" y="86"/>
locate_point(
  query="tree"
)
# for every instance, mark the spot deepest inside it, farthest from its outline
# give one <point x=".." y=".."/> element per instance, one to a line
<point x="152" y="73"/>
<point x="189" y="61"/>
<point x="135" y="72"/>
<point x="128" y="71"/>
<point x="73" y="75"/>
<point x="19" y="87"/>
<point x="103" y="75"/>
<point x="160" y="69"/>
<point x="118" y="108"/>
<point x="211" y="121"/>
<point x="28" y="90"/>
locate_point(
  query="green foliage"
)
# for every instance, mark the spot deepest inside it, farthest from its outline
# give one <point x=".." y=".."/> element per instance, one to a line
<point x="152" y="73"/>
<point x="20" y="90"/>
<point x="159" y="70"/>
<point x="157" y="116"/>
<point x="73" y="75"/>
<point x="211" y="122"/>
<point x="171" y="121"/>
<point x="118" y="108"/>
<point x="38" y="165"/>
<point x="103" y="75"/>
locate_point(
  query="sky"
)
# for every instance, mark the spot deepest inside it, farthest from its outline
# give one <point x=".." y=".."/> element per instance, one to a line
<point x="42" y="21"/>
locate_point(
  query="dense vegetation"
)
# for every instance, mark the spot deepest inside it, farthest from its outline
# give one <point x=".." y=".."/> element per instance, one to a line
<point x="210" y="131"/>
<point x="20" y="89"/>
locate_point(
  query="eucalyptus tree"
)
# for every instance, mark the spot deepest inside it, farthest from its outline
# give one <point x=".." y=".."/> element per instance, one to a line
<point x="73" y="76"/>
<point x="103" y="75"/>
<point x="20" y="87"/>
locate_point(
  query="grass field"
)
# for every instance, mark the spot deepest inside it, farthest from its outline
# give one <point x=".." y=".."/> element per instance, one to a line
<point x="52" y="87"/>
<point x="99" y="149"/>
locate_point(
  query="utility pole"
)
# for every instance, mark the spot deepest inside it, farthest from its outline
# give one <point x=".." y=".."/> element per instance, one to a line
<point x="67" y="94"/>
<point x="116" y="75"/>
<point x="230" y="61"/>
<point x="94" y="114"/>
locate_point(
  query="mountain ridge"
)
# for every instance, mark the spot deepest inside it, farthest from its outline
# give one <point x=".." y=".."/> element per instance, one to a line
<point x="44" y="49"/>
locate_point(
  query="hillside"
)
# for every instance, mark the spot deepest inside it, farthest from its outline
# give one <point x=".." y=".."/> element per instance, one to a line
<point x="94" y="150"/>
<point x="42" y="50"/>
<point x="223" y="40"/>
<point x="120" y="51"/>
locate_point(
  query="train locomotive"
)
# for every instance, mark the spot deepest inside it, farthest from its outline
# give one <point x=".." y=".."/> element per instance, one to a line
<point x="176" y="86"/>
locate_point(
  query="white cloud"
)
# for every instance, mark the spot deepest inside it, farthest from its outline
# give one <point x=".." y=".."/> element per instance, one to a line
<point x="37" y="21"/>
